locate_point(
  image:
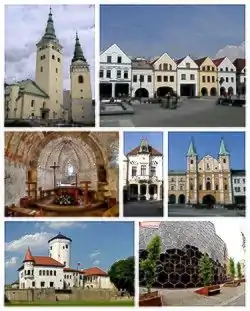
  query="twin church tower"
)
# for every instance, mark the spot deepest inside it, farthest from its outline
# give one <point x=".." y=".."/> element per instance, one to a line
<point x="45" y="97"/>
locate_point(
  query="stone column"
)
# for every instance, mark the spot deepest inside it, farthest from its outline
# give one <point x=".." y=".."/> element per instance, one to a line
<point x="139" y="192"/>
<point x="221" y="189"/>
<point x="159" y="191"/>
<point x="187" y="188"/>
<point x="213" y="185"/>
<point x="113" y="89"/>
<point x="204" y="182"/>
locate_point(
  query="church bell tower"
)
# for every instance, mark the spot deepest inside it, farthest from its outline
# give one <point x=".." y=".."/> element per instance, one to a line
<point x="81" y="97"/>
<point x="192" y="174"/>
<point x="49" y="69"/>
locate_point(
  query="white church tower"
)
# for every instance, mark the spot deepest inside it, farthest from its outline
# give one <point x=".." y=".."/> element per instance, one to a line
<point x="28" y="265"/>
<point x="60" y="249"/>
<point x="49" y="69"/>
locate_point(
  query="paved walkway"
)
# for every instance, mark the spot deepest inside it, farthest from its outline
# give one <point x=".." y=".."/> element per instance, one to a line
<point x="192" y="113"/>
<point x="229" y="296"/>
<point x="175" y="210"/>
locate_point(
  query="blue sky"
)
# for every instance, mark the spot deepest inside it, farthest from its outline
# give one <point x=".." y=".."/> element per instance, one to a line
<point x="150" y="30"/>
<point x="133" y="139"/>
<point x="205" y="143"/>
<point x="93" y="243"/>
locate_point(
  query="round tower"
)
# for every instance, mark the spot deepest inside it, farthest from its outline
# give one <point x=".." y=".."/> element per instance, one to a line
<point x="28" y="269"/>
<point x="59" y="249"/>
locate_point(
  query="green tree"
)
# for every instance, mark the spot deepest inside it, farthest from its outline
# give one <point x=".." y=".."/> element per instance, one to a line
<point x="239" y="272"/>
<point x="232" y="268"/>
<point x="205" y="267"/>
<point x="148" y="265"/>
<point x="122" y="274"/>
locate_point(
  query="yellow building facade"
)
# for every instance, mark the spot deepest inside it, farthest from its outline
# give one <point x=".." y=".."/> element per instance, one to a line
<point x="164" y="75"/>
<point x="43" y="98"/>
<point x="207" y="77"/>
<point x="206" y="180"/>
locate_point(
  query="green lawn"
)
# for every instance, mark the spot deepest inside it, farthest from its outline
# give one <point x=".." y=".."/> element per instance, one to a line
<point x="115" y="303"/>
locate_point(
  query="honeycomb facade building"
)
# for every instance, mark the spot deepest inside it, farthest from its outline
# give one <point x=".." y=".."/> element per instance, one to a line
<point x="182" y="246"/>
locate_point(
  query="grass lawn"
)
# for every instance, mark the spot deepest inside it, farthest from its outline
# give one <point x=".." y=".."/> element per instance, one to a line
<point x="113" y="303"/>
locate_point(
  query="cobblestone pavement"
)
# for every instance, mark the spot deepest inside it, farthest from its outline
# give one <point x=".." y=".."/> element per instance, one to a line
<point x="229" y="296"/>
<point x="192" y="113"/>
<point x="176" y="210"/>
<point x="143" y="209"/>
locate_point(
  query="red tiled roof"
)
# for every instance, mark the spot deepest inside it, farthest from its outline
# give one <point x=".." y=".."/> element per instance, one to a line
<point x="240" y="63"/>
<point x="46" y="261"/>
<point x="178" y="61"/>
<point x="71" y="270"/>
<point x="152" y="151"/>
<point x="94" y="271"/>
<point x="200" y="60"/>
<point x="28" y="256"/>
<point x="218" y="61"/>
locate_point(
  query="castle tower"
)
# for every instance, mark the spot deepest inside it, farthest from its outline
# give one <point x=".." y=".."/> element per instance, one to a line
<point x="225" y="186"/>
<point x="49" y="69"/>
<point x="81" y="97"/>
<point x="60" y="249"/>
<point x="28" y="264"/>
<point x="192" y="174"/>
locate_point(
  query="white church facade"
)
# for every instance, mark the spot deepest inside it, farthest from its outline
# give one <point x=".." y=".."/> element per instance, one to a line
<point x="54" y="271"/>
<point x="143" y="173"/>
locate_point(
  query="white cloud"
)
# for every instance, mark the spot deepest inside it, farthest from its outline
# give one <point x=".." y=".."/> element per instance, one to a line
<point x="230" y="232"/>
<point x="95" y="253"/>
<point x="96" y="262"/>
<point x="34" y="241"/>
<point x="11" y="262"/>
<point x="232" y="52"/>
<point x="24" y="27"/>
<point x="64" y="224"/>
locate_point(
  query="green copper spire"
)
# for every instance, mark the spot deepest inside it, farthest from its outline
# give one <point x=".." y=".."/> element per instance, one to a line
<point x="191" y="150"/>
<point x="144" y="146"/>
<point x="223" y="150"/>
<point x="78" y="54"/>
<point x="50" y="33"/>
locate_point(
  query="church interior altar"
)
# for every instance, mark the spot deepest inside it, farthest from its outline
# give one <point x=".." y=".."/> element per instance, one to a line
<point x="66" y="175"/>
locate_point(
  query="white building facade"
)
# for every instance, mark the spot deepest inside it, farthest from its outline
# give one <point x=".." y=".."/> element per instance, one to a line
<point x="53" y="271"/>
<point x="226" y="76"/>
<point x="239" y="186"/>
<point x="187" y="77"/>
<point x="144" y="173"/>
<point x="115" y="73"/>
<point x="142" y="78"/>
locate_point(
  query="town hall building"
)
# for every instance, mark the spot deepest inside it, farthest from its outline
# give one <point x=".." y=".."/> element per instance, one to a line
<point x="143" y="173"/>
<point x="55" y="270"/>
<point x="44" y="98"/>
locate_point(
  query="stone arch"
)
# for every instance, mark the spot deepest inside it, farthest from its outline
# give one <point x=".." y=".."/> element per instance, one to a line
<point x="213" y="91"/>
<point x="230" y="90"/>
<point x="172" y="199"/>
<point x="164" y="90"/>
<point x="222" y="90"/>
<point x="181" y="199"/>
<point x="209" y="199"/>
<point x="204" y="91"/>
<point x="141" y="92"/>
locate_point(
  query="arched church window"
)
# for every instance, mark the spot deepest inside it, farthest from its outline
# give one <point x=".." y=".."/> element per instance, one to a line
<point x="191" y="187"/>
<point x="53" y="56"/>
<point x="224" y="161"/>
<point x="32" y="103"/>
<point x="41" y="69"/>
<point x="56" y="70"/>
<point x="200" y="187"/>
<point x="59" y="60"/>
<point x="225" y="187"/>
<point x="208" y="185"/>
<point x="216" y="187"/>
<point x="80" y="79"/>
<point x="192" y="162"/>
